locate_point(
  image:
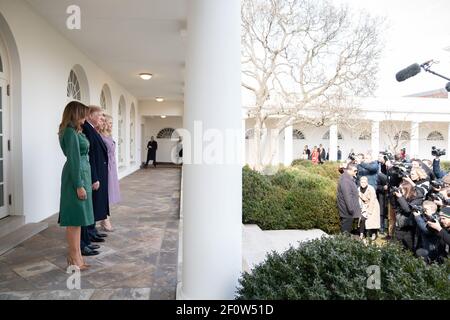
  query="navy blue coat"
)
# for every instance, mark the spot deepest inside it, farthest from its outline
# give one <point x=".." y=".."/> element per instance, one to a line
<point x="98" y="158"/>
<point x="369" y="170"/>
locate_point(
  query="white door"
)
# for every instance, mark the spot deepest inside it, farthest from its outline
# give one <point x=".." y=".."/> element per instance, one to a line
<point x="4" y="134"/>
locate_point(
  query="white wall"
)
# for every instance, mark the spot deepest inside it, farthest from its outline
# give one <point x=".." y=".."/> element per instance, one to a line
<point x="46" y="59"/>
<point x="166" y="108"/>
<point x="152" y="125"/>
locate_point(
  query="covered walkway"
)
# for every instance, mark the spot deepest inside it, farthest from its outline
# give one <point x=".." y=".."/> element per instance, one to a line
<point x="137" y="261"/>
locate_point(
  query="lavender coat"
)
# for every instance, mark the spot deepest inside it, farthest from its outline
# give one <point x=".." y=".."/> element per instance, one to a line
<point x="113" y="181"/>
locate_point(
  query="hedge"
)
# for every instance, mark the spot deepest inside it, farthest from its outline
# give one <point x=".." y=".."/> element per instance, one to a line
<point x="337" y="268"/>
<point x="298" y="197"/>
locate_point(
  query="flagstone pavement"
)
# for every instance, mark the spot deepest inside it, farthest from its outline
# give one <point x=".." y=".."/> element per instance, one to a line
<point x="138" y="261"/>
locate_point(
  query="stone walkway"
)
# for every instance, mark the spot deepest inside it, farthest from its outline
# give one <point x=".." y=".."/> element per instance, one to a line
<point x="137" y="261"/>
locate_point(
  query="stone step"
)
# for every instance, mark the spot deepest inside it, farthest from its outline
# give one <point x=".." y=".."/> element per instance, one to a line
<point x="10" y="224"/>
<point x="13" y="239"/>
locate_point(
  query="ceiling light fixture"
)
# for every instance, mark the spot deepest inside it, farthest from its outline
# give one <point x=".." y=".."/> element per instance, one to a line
<point x="163" y="117"/>
<point x="159" y="99"/>
<point x="145" y="76"/>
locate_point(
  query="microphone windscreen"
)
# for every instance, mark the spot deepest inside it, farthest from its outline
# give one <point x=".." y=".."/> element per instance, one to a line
<point x="447" y="87"/>
<point x="409" y="72"/>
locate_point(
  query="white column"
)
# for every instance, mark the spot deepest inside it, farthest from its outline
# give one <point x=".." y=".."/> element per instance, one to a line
<point x="414" y="152"/>
<point x="288" y="146"/>
<point x="212" y="193"/>
<point x="375" y="145"/>
<point x="333" y="142"/>
<point x="243" y="146"/>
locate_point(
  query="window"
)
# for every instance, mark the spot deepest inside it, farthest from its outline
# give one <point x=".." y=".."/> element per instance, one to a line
<point x="73" y="87"/>
<point x="103" y="100"/>
<point x="132" y="133"/>
<point x="365" y="135"/>
<point x="167" y="133"/>
<point x="298" y="135"/>
<point x="249" y="134"/>
<point x="326" y="136"/>
<point x="1" y="64"/>
<point x="403" y="136"/>
<point x="121" y="119"/>
<point x="435" y="136"/>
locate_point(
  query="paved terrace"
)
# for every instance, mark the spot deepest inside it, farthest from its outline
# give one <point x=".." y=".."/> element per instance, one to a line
<point x="137" y="261"/>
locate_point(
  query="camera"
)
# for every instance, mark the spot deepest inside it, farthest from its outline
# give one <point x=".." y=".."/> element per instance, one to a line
<point x="437" y="184"/>
<point x="437" y="197"/>
<point x="352" y="156"/>
<point x="433" y="218"/>
<point x="387" y="155"/>
<point x="416" y="208"/>
<point x="437" y="152"/>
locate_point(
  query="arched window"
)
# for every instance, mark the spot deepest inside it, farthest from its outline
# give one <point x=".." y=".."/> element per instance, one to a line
<point x="326" y="136"/>
<point x="167" y="133"/>
<point x="403" y="136"/>
<point x="132" y="133"/>
<point x="73" y="87"/>
<point x="298" y="135"/>
<point x="365" y="135"/>
<point x="122" y="110"/>
<point x="103" y="100"/>
<point x="249" y="133"/>
<point x="435" y="136"/>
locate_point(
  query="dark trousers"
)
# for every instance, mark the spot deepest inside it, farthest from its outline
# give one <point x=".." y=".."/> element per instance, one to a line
<point x="382" y="200"/>
<point x="85" y="239"/>
<point x="92" y="231"/>
<point x="346" y="224"/>
<point x="406" y="237"/>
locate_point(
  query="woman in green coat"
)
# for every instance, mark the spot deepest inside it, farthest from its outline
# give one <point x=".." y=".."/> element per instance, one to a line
<point x="76" y="188"/>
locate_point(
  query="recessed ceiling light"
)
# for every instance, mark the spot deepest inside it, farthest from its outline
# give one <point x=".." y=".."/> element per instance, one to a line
<point x="163" y="117"/>
<point x="159" y="99"/>
<point x="145" y="76"/>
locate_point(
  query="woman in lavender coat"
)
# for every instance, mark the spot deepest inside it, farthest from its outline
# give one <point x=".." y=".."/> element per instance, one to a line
<point x="113" y="181"/>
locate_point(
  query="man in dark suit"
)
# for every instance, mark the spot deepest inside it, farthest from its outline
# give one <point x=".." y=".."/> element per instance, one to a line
<point x="152" y="146"/>
<point x="98" y="158"/>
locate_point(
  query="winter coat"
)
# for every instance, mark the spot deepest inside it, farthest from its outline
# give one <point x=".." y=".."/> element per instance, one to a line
<point x="348" y="197"/>
<point x="372" y="207"/>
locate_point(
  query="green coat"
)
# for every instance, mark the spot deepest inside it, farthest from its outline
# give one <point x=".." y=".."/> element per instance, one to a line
<point x="76" y="173"/>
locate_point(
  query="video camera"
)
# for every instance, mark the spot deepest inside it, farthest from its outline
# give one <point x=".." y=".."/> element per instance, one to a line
<point x="416" y="208"/>
<point x="352" y="156"/>
<point x="437" y="152"/>
<point x="387" y="156"/>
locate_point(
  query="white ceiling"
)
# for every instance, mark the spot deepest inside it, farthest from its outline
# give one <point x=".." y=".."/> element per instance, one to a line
<point x="127" y="37"/>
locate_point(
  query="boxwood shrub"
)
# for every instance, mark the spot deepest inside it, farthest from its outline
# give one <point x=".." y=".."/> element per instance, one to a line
<point x="298" y="197"/>
<point x="337" y="268"/>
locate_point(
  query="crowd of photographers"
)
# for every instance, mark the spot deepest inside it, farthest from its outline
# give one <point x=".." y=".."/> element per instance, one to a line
<point x="406" y="200"/>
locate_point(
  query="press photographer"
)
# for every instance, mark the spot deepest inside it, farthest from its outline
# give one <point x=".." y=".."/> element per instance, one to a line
<point x="443" y="226"/>
<point x="430" y="246"/>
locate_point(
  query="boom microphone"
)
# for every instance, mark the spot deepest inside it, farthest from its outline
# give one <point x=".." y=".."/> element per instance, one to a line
<point x="407" y="73"/>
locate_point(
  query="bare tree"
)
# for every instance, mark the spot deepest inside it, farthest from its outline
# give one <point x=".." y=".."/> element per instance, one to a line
<point x="303" y="59"/>
<point x="396" y="132"/>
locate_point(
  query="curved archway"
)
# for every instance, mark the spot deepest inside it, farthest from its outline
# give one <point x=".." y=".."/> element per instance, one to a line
<point x="326" y="136"/>
<point x="13" y="76"/>
<point x="121" y="127"/>
<point x="78" y="85"/>
<point x="106" y="99"/>
<point x="132" y="133"/>
<point x="435" y="136"/>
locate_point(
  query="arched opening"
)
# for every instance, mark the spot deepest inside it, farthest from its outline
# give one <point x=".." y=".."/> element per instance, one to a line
<point x="11" y="176"/>
<point x="326" y="136"/>
<point x="78" y="85"/>
<point x="106" y="99"/>
<point x="121" y="120"/>
<point x="132" y="134"/>
<point x="435" y="136"/>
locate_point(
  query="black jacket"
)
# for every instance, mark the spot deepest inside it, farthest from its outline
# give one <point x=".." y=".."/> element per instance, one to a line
<point x="430" y="240"/>
<point x="404" y="219"/>
<point x="348" y="197"/>
<point x="98" y="158"/>
<point x="445" y="236"/>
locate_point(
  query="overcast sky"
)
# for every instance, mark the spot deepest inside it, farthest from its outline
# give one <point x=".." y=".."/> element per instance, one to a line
<point x="418" y="31"/>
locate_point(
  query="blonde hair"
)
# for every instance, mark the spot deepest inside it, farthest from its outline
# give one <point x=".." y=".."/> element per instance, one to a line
<point x="105" y="131"/>
<point x="73" y="113"/>
<point x="420" y="172"/>
<point x="430" y="204"/>
<point x="93" y="108"/>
